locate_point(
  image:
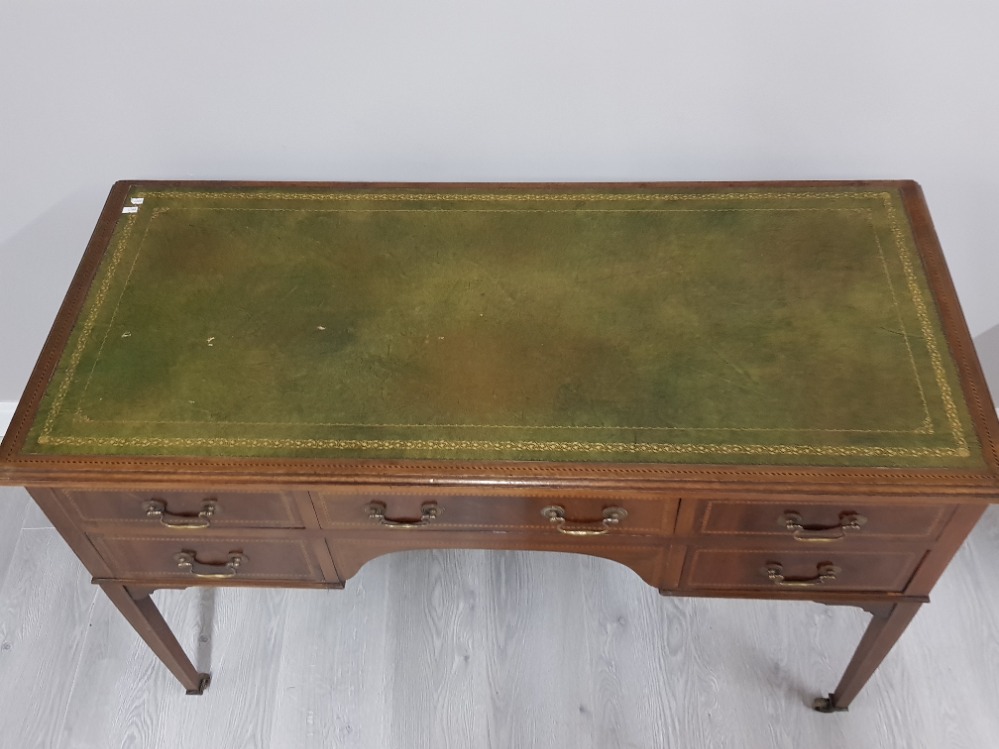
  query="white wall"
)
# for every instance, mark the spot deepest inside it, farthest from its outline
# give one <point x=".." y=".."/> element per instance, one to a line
<point x="94" y="91"/>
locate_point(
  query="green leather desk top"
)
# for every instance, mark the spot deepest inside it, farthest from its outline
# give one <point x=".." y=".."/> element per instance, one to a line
<point x="765" y="325"/>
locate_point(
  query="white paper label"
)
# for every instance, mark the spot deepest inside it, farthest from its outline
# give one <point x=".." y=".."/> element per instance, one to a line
<point x="137" y="201"/>
<point x="130" y="209"/>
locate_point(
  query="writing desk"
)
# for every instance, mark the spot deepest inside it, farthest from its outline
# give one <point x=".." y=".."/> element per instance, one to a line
<point x="741" y="390"/>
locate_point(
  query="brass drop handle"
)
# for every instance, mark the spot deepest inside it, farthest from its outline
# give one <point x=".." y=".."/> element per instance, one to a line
<point x="156" y="509"/>
<point x="188" y="561"/>
<point x="848" y="521"/>
<point x="826" y="573"/>
<point x="612" y="517"/>
<point x="428" y="513"/>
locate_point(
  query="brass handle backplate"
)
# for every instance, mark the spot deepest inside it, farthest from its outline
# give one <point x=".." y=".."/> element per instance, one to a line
<point x="156" y="509"/>
<point x="428" y="513"/>
<point x="612" y="517"/>
<point x="188" y="561"/>
<point x="826" y="572"/>
<point x="848" y="521"/>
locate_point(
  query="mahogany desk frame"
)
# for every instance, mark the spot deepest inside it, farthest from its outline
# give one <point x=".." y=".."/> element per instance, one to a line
<point x="688" y="530"/>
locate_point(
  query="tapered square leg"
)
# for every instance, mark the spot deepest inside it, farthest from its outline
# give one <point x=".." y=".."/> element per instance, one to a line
<point x="886" y="626"/>
<point x="140" y="611"/>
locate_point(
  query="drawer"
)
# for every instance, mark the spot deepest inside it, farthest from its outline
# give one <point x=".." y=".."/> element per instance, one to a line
<point x="825" y="522"/>
<point x="211" y="558"/>
<point x="448" y="508"/>
<point x="186" y="510"/>
<point x="766" y="569"/>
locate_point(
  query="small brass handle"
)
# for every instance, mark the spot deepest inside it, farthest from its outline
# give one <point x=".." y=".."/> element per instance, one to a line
<point x="612" y="517"/>
<point x="188" y="561"/>
<point x="156" y="509"/>
<point x="826" y="573"/>
<point x="848" y="521"/>
<point x="428" y="513"/>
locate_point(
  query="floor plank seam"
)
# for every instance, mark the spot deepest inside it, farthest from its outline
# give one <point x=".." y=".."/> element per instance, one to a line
<point x="79" y="661"/>
<point x="17" y="543"/>
<point x="5" y="571"/>
<point x="276" y="656"/>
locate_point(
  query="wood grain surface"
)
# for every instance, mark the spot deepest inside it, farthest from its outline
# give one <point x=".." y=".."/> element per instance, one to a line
<point x="484" y="649"/>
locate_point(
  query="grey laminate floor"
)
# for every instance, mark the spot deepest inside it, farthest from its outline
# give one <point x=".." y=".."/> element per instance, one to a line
<point x="479" y="649"/>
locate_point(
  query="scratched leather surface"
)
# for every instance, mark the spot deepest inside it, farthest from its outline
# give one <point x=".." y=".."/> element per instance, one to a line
<point x="709" y="327"/>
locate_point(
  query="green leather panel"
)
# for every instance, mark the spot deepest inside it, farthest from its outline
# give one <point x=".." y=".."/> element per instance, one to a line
<point x="735" y="326"/>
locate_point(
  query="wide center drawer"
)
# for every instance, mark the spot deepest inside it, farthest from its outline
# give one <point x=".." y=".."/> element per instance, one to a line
<point x="452" y="508"/>
<point x="180" y="510"/>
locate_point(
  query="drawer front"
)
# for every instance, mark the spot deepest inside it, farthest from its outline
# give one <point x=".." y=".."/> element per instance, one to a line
<point x="822" y="523"/>
<point x="186" y="510"/>
<point x="210" y="559"/>
<point x="560" y="513"/>
<point x="795" y="570"/>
